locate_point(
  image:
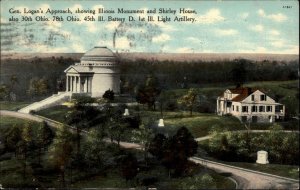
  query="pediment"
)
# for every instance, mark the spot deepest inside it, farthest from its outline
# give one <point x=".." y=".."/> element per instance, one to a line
<point x="71" y="70"/>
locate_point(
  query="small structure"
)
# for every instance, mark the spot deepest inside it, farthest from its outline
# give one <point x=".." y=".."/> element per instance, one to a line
<point x="126" y="113"/>
<point x="161" y="123"/>
<point x="250" y="104"/>
<point x="262" y="157"/>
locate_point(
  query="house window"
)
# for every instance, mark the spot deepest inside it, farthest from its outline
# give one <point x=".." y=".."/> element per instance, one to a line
<point x="244" y="108"/>
<point x="254" y="109"/>
<point x="237" y="108"/>
<point x="278" y="108"/>
<point x="232" y="107"/>
<point x="262" y="97"/>
<point x="269" y="108"/>
<point x="252" y="97"/>
<point x="261" y="108"/>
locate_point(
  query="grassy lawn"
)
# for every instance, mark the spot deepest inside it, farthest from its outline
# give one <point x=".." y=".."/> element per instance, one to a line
<point x="275" y="169"/>
<point x="290" y="171"/>
<point x="201" y="124"/>
<point x="56" y="113"/>
<point x="12" y="106"/>
<point x="6" y="122"/>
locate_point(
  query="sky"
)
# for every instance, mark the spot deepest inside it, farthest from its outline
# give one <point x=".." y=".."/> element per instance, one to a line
<point x="219" y="27"/>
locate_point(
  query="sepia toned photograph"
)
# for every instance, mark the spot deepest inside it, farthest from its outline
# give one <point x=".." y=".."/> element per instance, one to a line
<point x="162" y="94"/>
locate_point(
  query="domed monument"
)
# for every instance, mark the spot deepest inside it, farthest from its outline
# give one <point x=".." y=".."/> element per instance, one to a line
<point x="97" y="72"/>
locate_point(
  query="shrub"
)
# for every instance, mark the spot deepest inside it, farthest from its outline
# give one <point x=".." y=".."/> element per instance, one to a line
<point x="109" y="94"/>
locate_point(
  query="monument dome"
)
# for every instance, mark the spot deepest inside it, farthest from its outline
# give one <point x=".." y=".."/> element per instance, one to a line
<point x="97" y="72"/>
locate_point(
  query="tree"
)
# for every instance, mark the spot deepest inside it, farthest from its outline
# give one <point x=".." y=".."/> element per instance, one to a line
<point x="148" y="92"/>
<point x="38" y="87"/>
<point x="156" y="144"/>
<point x="109" y="95"/>
<point x="12" y="138"/>
<point x="82" y="116"/>
<point x="129" y="166"/>
<point x="25" y="144"/>
<point x="44" y="138"/>
<point x="189" y="99"/>
<point x="13" y="81"/>
<point x="94" y="151"/>
<point x="275" y="139"/>
<point x="61" y="150"/>
<point x="4" y="92"/>
<point x="116" y="125"/>
<point x="173" y="152"/>
<point x="162" y="99"/>
<point x="239" y="72"/>
<point x="144" y="136"/>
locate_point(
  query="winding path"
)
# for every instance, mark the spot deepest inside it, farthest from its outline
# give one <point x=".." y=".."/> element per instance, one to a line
<point x="246" y="179"/>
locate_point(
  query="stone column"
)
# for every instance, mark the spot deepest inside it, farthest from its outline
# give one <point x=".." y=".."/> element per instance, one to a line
<point x="72" y="83"/>
<point x="87" y="84"/>
<point x="79" y="84"/>
<point x="90" y="84"/>
<point x="67" y="83"/>
<point x="84" y="85"/>
<point x="76" y="83"/>
<point x="218" y="105"/>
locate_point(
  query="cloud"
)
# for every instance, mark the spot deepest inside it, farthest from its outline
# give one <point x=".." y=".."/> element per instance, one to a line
<point x="193" y="39"/>
<point x="260" y="50"/>
<point x="226" y="32"/>
<point x="96" y="7"/>
<point x="278" y="43"/>
<point x="257" y="28"/>
<point x="122" y="43"/>
<point x="244" y="15"/>
<point x="274" y="32"/>
<point x="184" y="50"/>
<point x="161" y="38"/>
<point x="162" y="25"/>
<point x="44" y="7"/>
<point x="112" y="25"/>
<point x="210" y="17"/>
<point x="78" y="48"/>
<point x="279" y="17"/>
<point x="90" y="25"/>
<point x="288" y="49"/>
<point x="292" y="49"/>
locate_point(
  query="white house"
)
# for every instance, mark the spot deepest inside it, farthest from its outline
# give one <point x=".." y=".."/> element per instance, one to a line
<point x="249" y="104"/>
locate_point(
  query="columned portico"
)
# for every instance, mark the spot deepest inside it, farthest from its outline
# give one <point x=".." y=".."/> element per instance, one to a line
<point x="78" y="83"/>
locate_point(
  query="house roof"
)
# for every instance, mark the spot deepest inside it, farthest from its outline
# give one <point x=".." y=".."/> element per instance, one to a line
<point x="243" y="92"/>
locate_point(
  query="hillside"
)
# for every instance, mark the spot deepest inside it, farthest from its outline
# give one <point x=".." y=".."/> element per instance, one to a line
<point x="189" y="57"/>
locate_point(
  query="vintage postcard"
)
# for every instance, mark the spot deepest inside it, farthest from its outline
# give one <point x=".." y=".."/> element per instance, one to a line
<point x="164" y="94"/>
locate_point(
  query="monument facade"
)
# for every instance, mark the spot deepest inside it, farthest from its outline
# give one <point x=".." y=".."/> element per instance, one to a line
<point x="97" y="72"/>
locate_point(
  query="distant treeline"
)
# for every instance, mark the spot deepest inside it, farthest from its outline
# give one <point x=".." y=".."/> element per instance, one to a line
<point x="174" y="74"/>
<point x="40" y="77"/>
<point x="33" y="78"/>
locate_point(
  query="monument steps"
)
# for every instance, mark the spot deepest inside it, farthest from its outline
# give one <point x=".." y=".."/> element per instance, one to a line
<point x="53" y="100"/>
